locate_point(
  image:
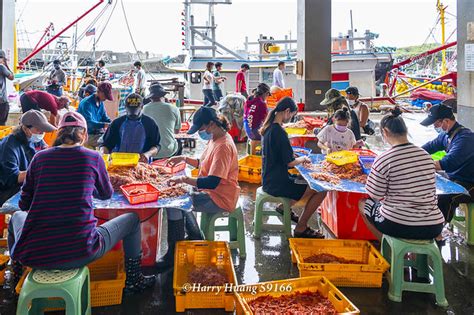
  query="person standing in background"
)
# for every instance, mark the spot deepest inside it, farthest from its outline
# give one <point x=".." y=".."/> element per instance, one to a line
<point x="278" y="79"/>
<point x="207" y="84"/>
<point x="240" y="84"/>
<point x="140" y="80"/>
<point x="56" y="79"/>
<point x="101" y="73"/>
<point x="5" y="73"/>
<point x="218" y="79"/>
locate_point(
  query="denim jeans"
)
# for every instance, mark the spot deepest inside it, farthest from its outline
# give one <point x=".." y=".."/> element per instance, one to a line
<point x="208" y="97"/>
<point x="218" y="95"/>
<point x="125" y="227"/>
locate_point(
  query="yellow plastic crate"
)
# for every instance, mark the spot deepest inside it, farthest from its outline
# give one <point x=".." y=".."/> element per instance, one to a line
<point x="250" y="169"/>
<point x="106" y="283"/>
<point x="342" y="157"/>
<point x="191" y="254"/>
<point x="3" y="267"/>
<point x="124" y="159"/>
<point x="368" y="274"/>
<point x="5" y="131"/>
<point x="341" y="303"/>
<point x="296" y="131"/>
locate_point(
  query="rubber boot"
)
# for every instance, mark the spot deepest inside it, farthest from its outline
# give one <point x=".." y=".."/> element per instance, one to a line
<point x="136" y="281"/>
<point x="18" y="270"/>
<point x="175" y="234"/>
<point x="192" y="227"/>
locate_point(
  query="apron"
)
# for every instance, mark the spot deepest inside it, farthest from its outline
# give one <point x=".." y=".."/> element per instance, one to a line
<point x="132" y="135"/>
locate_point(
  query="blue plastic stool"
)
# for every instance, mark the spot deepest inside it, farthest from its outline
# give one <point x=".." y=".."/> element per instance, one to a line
<point x="52" y="289"/>
<point x="395" y="249"/>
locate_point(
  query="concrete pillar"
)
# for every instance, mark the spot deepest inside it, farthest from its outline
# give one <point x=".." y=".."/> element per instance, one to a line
<point x="314" y="50"/>
<point x="7" y="28"/>
<point x="465" y="30"/>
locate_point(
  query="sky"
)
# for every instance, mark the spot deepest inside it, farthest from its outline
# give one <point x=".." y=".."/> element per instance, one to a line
<point x="156" y="24"/>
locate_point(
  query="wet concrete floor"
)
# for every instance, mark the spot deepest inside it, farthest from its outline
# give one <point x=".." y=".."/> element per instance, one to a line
<point x="268" y="258"/>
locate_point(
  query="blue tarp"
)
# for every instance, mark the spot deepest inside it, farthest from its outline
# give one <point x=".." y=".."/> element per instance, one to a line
<point x="117" y="201"/>
<point x="443" y="185"/>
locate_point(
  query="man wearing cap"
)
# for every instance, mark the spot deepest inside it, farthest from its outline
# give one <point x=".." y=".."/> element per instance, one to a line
<point x="5" y="73"/>
<point x="56" y="79"/>
<point x="17" y="151"/>
<point x="39" y="100"/>
<point x="458" y="163"/>
<point x="361" y="109"/>
<point x="240" y="83"/>
<point x="133" y="132"/>
<point x="93" y="110"/>
<point x="334" y="101"/>
<point x="168" y="119"/>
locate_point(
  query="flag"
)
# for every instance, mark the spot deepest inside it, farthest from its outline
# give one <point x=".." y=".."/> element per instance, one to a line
<point x="90" y="32"/>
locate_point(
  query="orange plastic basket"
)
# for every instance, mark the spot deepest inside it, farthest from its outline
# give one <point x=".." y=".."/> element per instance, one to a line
<point x="184" y="127"/>
<point x="191" y="254"/>
<point x="50" y="137"/>
<point x="364" y="152"/>
<point x="149" y="194"/>
<point x="170" y="169"/>
<point x="3" y="267"/>
<point x="250" y="169"/>
<point x="368" y="273"/>
<point x="247" y="293"/>
<point x="5" y="131"/>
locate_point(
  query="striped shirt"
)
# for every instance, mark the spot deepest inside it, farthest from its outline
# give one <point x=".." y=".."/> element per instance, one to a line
<point x="404" y="180"/>
<point x="57" y="193"/>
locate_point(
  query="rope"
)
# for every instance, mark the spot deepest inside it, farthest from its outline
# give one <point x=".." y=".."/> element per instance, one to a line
<point x="133" y="41"/>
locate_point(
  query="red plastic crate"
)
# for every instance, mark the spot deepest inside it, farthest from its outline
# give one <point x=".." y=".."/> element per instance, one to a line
<point x="170" y="169"/>
<point x="363" y="152"/>
<point x="184" y="127"/>
<point x="340" y="212"/>
<point x="150" y="193"/>
<point x="150" y="226"/>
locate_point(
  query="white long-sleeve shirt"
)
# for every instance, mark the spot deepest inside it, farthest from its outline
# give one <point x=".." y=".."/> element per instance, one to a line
<point x="278" y="78"/>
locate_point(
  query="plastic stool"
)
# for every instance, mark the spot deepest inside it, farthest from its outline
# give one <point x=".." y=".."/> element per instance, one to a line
<point x="395" y="249"/>
<point x="47" y="289"/>
<point x="466" y="223"/>
<point x="262" y="198"/>
<point x="235" y="227"/>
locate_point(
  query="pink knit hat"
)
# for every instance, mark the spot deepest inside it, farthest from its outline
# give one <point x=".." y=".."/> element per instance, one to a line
<point x="73" y="119"/>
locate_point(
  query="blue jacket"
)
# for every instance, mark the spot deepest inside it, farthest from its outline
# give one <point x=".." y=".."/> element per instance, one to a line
<point x="459" y="160"/>
<point x="15" y="156"/>
<point x="94" y="113"/>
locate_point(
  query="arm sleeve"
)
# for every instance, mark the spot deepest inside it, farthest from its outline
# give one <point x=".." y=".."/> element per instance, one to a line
<point x="322" y="135"/>
<point x="209" y="182"/>
<point x="27" y="190"/>
<point x="434" y="145"/>
<point x="103" y="188"/>
<point x="155" y="132"/>
<point x="377" y="183"/>
<point x="104" y="116"/>
<point x="353" y="140"/>
<point x="286" y="151"/>
<point x="456" y="156"/>
<point x="177" y="125"/>
<point x="10" y="166"/>
<point x="5" y="71"/>
<point x="112" y="136"/>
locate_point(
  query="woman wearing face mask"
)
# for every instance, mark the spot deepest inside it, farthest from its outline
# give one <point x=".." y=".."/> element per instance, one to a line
<point x="217" y="183"/>
<point x="337" y="137"/>
<point x="402" y="188"/>
<point x="17" y="151"/>
<point x="56" y="228"/>
<point x="277" y="158"/>
<point x="133" y="132"/>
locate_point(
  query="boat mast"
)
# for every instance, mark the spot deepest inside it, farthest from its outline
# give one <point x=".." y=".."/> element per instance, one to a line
<point x="442" y="10"/>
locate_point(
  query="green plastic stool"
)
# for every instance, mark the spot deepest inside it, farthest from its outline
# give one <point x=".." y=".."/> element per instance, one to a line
<point x="262" y="198"/>
<point x="395" y="249"/>
<point x="51" y="289"/>
<point x="235" y="227"/>
<point x="466" y="223"/>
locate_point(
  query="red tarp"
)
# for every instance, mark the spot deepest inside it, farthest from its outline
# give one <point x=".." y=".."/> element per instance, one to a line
<point x="428" y="95"/>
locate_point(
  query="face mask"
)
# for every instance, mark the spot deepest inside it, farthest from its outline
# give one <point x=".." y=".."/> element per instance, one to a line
<point x="206" y="136"/>
<point x="134" y="114"/>
<point x="340" y="128"/>
<point x="439" y="129"/>
<point x="35" y="138"/>
<point x="351" y="102"/>
<point x="57" y="67"/>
